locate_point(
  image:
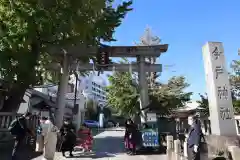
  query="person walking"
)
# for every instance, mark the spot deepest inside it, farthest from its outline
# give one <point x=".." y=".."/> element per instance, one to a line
<point x="194" y="139"/>
<point x="40" y="135"/>
<point x="85" y="138"/>
<point x="126" y="136"/>
<point x="68" y="138"/>
<point x="49" y="132"/>
<point x="130" y="137"/>
<point x="18" y="128"/>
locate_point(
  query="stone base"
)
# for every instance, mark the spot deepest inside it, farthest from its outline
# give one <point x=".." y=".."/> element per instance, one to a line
<point x="218" y="145"/>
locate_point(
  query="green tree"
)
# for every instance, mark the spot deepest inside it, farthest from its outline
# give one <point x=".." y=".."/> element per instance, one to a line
<point x="235" y="83"/>
<point x="123" y="94"/>
<point x="29" y="28"/>
<point x="235" y="77"/>
<point x="91" y="110"/>
<point x="203" y="103"/>
<point x="168" y="96"/>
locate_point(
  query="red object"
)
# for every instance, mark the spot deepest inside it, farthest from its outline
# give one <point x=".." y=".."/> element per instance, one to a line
<point x="85" y="139"/>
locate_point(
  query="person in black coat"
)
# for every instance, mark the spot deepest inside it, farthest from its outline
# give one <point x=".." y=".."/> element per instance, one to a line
<point x="68" y="137"/>
<point x="194" y="139"/>
<point x="130" y="137"/>
<point x="21" y="132"/>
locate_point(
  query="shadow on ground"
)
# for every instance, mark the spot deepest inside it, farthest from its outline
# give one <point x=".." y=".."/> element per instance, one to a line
<point x="93" y="155"/>
<point x="96" y="131"/>
<point x="109" y="145"/>
<point x="150" y="151"/>
<point x="25" y="152"/>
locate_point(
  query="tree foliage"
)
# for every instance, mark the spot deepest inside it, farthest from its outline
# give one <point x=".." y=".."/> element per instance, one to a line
<point x="91" y="110"/>
<point x="29" y="28"/>
<point x="235" y="83"/>
<point x="123" y="94"/>
<point x="171" y="95"/>
<point x="203" y="103"/>
<point x="235" y="77"/>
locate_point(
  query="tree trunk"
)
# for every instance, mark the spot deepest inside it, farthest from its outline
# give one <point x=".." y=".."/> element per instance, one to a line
<point x="25" y="77"/>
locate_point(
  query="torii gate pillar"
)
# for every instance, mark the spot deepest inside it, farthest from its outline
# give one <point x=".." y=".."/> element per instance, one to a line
<point x="144" y="98"/>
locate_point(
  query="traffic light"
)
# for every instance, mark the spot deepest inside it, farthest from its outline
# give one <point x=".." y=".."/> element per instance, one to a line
<point x="102" y="57"/>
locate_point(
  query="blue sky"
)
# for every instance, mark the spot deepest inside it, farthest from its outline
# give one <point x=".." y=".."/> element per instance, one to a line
<point x="186" y="26"/>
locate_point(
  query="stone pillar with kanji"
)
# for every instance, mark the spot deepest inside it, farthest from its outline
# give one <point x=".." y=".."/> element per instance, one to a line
<point x="218" y="90"/>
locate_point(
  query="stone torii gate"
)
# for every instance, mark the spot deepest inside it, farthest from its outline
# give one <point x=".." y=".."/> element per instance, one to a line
<point x="140" y="52"/>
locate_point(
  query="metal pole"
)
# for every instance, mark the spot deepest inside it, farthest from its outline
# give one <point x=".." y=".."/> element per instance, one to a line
<point x="62" y="90"/>
<point x="76" y="87"/>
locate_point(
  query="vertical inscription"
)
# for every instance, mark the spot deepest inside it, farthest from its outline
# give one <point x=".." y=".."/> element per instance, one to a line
<point x="216" y="53"/>
<point x="219" y="70"/>
<point x="222" y="92"/>
<point x="225" y="113"/>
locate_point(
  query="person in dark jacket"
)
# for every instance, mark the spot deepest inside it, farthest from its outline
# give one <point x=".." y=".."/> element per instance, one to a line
<point x="68" y="137"/>
<point x="194" y="139"/>
<point x="126" y="136"/>
<point x="22" y="130"/>
<point x="130" y="137"/>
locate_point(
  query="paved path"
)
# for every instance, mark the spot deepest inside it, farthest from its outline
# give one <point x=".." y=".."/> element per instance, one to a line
<point x="108" y="145"/>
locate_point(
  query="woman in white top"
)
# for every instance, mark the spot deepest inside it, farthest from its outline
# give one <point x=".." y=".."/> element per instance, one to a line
<point x="49" y="131"/>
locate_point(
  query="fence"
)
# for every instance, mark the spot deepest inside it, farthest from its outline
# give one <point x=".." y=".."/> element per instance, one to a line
<point x="7" y="117"/>
<point x="5" y="120"/>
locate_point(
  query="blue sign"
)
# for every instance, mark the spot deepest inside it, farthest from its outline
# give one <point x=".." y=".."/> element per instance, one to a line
<point x="150" y="139"/>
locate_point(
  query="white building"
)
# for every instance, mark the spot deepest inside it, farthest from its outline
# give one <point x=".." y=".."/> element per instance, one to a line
<point x="93" y="87"/>
<point x="88" y="87"/>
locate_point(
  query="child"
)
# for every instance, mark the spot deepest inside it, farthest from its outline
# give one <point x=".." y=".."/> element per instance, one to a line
<point x="85" y="139"/>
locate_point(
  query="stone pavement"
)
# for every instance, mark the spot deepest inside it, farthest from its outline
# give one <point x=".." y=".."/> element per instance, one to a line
<point x="108" y="145"/>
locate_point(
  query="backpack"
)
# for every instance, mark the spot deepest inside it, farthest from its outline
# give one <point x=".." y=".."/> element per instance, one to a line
<point x="15" y="127"/>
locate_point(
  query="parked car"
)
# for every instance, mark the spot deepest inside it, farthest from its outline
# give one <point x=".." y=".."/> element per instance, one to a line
<point x="91" y="123"/>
